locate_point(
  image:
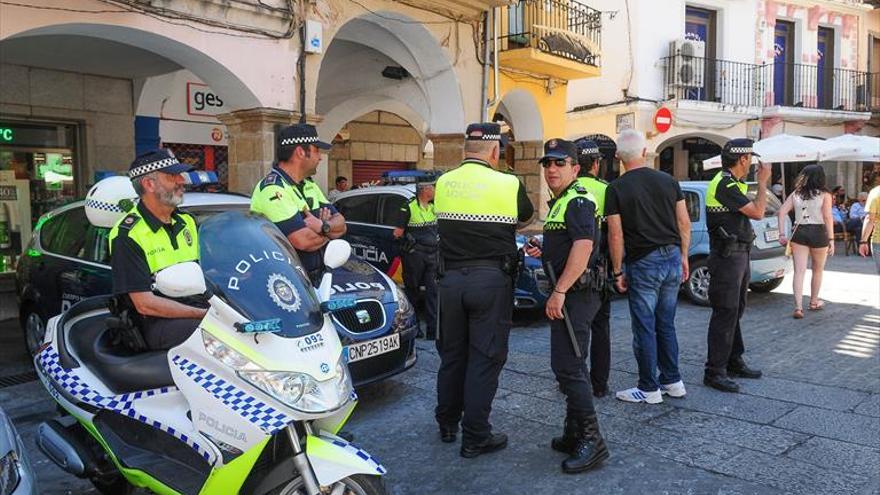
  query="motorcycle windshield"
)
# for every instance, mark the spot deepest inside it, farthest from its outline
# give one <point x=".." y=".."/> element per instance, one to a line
<point x="251" y="266"/>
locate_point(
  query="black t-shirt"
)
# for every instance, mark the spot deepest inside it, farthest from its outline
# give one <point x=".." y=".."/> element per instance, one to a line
<point x="645" y="199"/>
<point x="735" y="223"/>
<point x="461" y="240"/>
<point x="580" y="223"/>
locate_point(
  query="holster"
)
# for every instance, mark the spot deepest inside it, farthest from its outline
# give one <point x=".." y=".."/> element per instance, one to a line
<point x="725" y="240"/>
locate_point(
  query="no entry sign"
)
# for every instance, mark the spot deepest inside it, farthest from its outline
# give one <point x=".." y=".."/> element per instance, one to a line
<point x="662" y="119"/>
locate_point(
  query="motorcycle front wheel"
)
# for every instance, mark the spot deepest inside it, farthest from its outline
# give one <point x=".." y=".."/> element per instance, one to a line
<point x="357" y="484"/>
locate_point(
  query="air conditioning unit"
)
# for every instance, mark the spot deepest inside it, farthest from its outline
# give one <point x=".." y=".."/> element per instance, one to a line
<point x="687" y="63"/>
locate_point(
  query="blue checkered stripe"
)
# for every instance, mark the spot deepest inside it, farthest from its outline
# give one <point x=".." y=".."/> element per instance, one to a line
<point x="123" y="404"/>
<point x="101" y="205"/>
<point x="362" y="454"/>
<point x="259" y="413"/>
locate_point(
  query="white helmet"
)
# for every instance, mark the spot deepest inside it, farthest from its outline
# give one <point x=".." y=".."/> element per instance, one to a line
<point x="106" y="202"/>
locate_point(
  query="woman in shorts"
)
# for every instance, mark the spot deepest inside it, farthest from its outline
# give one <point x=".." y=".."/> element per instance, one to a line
<point x="813" y="235"/>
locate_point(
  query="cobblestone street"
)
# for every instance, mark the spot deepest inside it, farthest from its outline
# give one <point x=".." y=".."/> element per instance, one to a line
<point x="811" y="426"/>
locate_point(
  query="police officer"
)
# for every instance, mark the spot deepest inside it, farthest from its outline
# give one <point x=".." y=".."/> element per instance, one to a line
<point x="153" y="236"/>
<point x="477" y="209"/>
<point x="417" y="227"/>
<point x="729" y="211"/>
<point x="290" y="199"/>
<point x="569" y="232"/>
<point x="589" y="158"/>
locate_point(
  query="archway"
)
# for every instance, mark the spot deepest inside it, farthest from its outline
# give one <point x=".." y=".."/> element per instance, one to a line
<point x="682" y="156"/>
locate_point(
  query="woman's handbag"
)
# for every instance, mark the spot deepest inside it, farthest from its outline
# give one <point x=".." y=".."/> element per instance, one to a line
<point x="793" y="230"/>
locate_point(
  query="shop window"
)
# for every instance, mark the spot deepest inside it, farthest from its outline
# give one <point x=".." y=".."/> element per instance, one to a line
<point x="64" y="234"/>
<point x="359" y="208"/>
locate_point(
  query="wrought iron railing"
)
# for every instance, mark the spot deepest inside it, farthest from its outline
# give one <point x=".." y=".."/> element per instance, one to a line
<point x="564" y="28"/>
<point x="777" y="84"/>
<point x="874" y="92"/>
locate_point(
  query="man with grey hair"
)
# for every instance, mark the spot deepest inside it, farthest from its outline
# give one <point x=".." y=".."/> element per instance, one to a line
<point x="647" y="218"/>
<point x="151" y="237"/>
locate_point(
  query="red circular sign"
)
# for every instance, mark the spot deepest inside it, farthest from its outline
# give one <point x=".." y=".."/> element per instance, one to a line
<point x="662" y="119"/>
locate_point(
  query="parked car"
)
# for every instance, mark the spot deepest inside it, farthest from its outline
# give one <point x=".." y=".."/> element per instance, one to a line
<point x="68" y="260"/>
<point x="16" y="475"/>
<point x="768" y="261"/>
<point x="370" y="214"/>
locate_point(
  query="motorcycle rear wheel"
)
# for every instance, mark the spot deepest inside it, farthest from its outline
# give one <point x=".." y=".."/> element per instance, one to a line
<point x="357" y="484"/>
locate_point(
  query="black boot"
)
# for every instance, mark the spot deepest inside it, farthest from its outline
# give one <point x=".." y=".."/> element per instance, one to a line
<point x="720" y="382"/>
<point x="590" y="449"/>
<point x="738" y="368"/>
<point x="567" y="442"/>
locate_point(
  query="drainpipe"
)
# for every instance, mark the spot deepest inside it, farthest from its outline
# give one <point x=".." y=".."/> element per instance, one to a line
<point x="302" y="69"/>
<point x="492" y="18"/>
<point x="495" y="30"/>
<point x="484" y="93"/>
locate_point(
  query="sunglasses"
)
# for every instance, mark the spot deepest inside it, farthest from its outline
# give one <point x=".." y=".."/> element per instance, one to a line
<point x="554" y="163"/>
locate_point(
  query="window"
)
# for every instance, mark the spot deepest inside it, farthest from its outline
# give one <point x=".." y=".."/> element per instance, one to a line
<point x="692" y="201"/>
<point x="360" y="208"/>
<point x="783" y="63"/>
<point x="97" y="245"/>
<point x="699" y="25"/>
<point x="390" y="212"/>
<point x="63" y="234"/>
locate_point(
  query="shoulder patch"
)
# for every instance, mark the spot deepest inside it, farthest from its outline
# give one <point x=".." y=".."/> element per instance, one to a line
<point x="270" y="180"/>
<point x="129" y="221"/>
<point x="580" y="189"/>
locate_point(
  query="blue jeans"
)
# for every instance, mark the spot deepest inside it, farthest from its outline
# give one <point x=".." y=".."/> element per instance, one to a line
<point x="653" y="283"/>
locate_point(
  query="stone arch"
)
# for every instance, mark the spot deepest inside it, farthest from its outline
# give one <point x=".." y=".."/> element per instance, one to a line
<point x="343" y="113"/>
<point x="521" y="112"/>
<point x="684" y="161"/>
<point x="715" y="138"/>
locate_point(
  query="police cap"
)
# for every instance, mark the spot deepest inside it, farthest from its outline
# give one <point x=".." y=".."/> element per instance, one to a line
<point x="483" y="131"/>
<point x="588" y="150"/>
<point x="300" y="135"/>
<point x="161" y="160"/>
<point x="738" y="147"/>
<point x="559" y="149"/>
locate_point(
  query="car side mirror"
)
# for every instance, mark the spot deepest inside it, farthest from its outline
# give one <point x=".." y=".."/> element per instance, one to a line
<point x="181" y="280"/>
<point x="337" y="253"/>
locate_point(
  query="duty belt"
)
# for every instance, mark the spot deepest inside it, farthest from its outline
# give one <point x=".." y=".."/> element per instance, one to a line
<point x="491" y="263"/>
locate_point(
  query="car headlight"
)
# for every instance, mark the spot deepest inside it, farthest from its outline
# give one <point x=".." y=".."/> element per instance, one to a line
<point x="299" y="391"/>
<point x="405" y="311"/>
<point x="10" y="473"/>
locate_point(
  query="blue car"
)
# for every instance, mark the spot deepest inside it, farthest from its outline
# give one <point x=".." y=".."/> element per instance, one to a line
<point x="68" y="260"/>
<point x="768" y="261"/>
<point x="370" y="214"/>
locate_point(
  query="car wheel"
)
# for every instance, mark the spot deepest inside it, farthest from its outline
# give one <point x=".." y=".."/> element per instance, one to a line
<point x="697" y="285"/>
<point x="34" y="330"/>
<point x="766" y="286"/>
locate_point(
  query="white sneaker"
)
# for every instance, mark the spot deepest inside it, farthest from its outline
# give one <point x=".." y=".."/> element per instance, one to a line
<point x="635" y="394"/>
<point x="673" y="389"/>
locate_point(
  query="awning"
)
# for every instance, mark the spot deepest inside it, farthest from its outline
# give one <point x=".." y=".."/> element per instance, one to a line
<point x="788" y="148"/>
<point x="852" y="148"/>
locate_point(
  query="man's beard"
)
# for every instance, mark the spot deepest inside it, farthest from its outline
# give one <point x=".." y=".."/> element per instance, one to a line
<point x="170" y="197"/>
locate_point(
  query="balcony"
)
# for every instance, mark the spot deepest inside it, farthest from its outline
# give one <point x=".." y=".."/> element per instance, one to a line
<point x="557" y="38"/>
<point x="786" y="90"/>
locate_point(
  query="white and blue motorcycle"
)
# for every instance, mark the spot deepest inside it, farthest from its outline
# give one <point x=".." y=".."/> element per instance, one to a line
<point x="251" y="403"/>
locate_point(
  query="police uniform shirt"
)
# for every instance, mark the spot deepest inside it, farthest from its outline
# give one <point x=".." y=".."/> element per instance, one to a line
<point x="131" y="271"/>
<point x="422" y="226"/>
<point x="580" y="224"/>
<point x="729" y="194"/>
<point x="282" y="200"/>
<point x="465" y="240"/>
<point x="597" y="187"/>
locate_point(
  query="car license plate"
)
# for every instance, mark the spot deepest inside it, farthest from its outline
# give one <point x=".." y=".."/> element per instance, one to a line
<point x="771" y="235"/>
<point x="370" y="348"/>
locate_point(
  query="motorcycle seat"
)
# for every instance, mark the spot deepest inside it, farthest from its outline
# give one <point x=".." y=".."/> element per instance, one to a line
<point x="120" y="369"/>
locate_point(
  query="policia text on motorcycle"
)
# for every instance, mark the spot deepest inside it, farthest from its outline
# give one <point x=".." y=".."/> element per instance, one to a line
<point x="570" y="235"/>
<point x="289" y="198"/>
<point x="728" y="212"/>
<point x="151" y="237"/>
<point x="589" y="157"/>
<point x="477" y="209"/>
<point x="417" y="231"/>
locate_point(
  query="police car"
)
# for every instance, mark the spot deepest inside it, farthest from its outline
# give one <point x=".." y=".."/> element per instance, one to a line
<point x="370" y="214"/>
<point x="768" y="261"/>
<point x="68" y="260"/>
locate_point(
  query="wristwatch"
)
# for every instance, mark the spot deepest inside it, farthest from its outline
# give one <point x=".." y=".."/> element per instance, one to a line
<point x="325" y="227"/>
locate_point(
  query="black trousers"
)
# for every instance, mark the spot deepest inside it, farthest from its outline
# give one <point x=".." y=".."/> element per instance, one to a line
<point x="571" y="372"/>
<point x="161" y="334"/>
<point x="728" y="286"/>
<point x="600" y="343"/>
<point x="420" y="268"/>
<point x="476" y="311"/>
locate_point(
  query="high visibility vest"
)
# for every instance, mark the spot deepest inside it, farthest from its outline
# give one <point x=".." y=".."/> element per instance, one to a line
<point x="158" y="247"/>
<point x="277" y="199"/>
<point x="420" y="217"/>
<point x="474" y="192"/>
<point x="712" y="203"/>
<point x="556" y="218"/>
<point x="597" y="187"/>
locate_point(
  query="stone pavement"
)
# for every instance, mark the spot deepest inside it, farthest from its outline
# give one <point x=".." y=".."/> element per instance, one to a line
<point x="811" y="426"/>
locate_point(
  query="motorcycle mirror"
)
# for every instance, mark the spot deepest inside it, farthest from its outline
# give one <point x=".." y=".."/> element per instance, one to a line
<point x="181" y="280"/>
<point x="337" y="253"/>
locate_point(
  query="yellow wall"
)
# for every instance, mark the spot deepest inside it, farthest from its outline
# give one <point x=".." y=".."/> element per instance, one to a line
<point x="551" y="105"/>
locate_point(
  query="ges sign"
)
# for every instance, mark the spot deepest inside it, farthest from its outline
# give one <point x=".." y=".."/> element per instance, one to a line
<point x="201" y="100"/>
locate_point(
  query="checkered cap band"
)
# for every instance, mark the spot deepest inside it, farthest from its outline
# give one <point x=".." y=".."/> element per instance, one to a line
<point x="101" y="205"/>
<point x="293" y="141"/>
<point x="590" y="151"/>
<point x="740" y="150"/>
<point x="491" y="137"/>
<point x="152" y="167"/>
<point x="467" y="217"/>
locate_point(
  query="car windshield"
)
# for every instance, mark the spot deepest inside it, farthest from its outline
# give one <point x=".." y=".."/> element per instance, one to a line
<point x="252" y="267"/>
<point x="773" y="203"/>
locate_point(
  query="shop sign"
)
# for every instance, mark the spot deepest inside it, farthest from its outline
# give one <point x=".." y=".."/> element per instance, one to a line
<point x="6" y="135"/>
<point x="201" y="100"/>
<point x="8" y="193"/>
<point x="175" y="131"/>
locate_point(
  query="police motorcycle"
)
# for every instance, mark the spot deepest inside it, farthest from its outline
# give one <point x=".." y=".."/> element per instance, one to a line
<point x="251" y="403"/>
